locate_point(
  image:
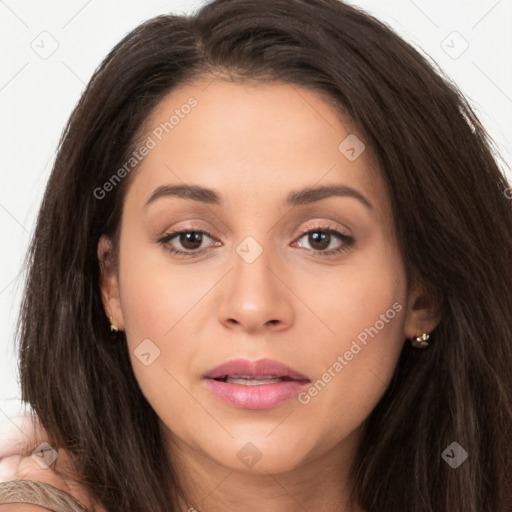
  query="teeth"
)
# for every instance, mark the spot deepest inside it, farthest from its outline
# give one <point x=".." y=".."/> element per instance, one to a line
<point x="252" y="377"/>
<point x="253" y="381"/>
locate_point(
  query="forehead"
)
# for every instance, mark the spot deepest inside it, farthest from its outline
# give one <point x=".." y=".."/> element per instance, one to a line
<point x="253" y="139"/>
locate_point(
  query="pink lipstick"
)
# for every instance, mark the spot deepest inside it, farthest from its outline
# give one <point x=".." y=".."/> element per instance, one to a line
<point x="261" y="384"/>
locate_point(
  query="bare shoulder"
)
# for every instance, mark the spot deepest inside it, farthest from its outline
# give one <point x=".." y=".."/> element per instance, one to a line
<point x="26" y="454"/>
<point x="22" y="507"/>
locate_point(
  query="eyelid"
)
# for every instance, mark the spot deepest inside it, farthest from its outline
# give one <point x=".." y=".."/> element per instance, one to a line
<point x="310" y="225"/>
<point x="180" y="229"/>
<point x="325" y="225"/>
<point x="168" y="235"/>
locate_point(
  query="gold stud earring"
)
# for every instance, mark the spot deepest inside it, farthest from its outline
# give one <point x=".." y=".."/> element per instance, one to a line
<point x="420" y="341"/>
<point x="113" y="328"/>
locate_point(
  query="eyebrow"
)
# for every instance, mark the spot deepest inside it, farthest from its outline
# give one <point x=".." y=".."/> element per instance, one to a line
<point x="294" y="198"/>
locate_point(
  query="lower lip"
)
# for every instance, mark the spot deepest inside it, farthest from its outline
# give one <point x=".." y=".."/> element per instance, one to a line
<point x="263" y="396"/>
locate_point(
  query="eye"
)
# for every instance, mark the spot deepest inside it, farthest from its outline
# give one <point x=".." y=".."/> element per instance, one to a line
<point x="190" y="239"/>
<point x="322" y="238"/>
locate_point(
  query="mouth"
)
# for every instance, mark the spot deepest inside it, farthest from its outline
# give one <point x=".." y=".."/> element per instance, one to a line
<point x="252" y="380"/>
<point x="261" y="384"/>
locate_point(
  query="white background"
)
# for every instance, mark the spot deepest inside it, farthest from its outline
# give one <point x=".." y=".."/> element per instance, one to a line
<point x="37" y="96"/>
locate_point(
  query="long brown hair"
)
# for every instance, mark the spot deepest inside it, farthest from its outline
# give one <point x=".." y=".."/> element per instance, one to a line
<point x="454" y="225"/>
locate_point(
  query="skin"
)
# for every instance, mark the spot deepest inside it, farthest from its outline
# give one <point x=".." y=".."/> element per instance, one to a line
<point x="254" y="144"/>
<point x="17" y="463"/>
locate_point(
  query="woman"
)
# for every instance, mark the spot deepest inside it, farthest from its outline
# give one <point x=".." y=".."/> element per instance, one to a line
<point x="270" y="271"/>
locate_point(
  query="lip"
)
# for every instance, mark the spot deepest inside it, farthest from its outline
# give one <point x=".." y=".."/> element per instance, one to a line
<point x="259" y="396"/>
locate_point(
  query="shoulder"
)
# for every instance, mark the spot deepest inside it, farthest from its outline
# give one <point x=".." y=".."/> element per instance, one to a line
<point x="25" y="455"/>
<point x="22" y="507"/>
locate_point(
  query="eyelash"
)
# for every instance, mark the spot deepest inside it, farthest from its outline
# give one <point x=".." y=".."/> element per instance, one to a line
<point x="347" y="240"/>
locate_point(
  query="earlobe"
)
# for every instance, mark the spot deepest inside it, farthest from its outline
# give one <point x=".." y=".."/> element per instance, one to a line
<point x="109" y="285"/>
<point x="423" y="313"/>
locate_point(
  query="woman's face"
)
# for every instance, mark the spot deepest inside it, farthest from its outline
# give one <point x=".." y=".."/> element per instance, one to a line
<point x="274" y="266"/>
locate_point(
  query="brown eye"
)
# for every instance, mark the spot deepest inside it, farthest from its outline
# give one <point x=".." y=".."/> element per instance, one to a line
<point x="319" y="240"/>
<point x="322" y="239"/>
<point x="190" y="240"/>
<point x="186" y="242"/>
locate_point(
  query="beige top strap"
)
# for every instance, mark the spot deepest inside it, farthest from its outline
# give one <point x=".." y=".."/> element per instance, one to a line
<point x="38" y="493"/>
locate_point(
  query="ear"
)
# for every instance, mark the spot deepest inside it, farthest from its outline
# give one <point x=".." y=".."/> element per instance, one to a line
<point x="109" y="284"/>
<point x="423" y="312"/>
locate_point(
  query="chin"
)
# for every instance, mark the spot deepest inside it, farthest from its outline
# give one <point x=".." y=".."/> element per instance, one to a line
<point x="260" y="454"/>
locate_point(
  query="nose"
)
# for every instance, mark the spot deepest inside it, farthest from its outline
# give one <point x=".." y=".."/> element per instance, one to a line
<point x="255" y="298"/>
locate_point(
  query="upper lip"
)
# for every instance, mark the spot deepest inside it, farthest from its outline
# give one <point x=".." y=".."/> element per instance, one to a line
<point x="260" y="367"/>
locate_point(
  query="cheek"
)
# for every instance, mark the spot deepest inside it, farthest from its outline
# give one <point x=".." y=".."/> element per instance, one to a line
<point x="156" y="299"/>
<point x="355" y="361"/>
<point x="352" y="376"/>
<point x="160" y="351"/>
<point x="357" y="296"/>
<point x="155" y="294"/>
